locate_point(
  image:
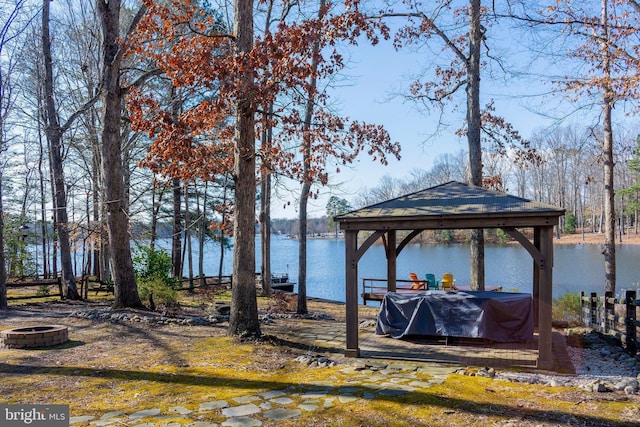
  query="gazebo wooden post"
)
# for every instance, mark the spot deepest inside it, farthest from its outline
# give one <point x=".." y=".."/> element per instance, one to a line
<point x="545" y="353"/>
<point x="536" y="279"/>
<point x="351" y="303"/>
<point x="392" y="274"/>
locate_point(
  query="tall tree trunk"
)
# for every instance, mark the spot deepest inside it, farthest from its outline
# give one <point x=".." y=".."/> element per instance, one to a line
<point x="306" y="186"/>
<point x="176" y="239"/>
<point x="176" y="235"/>
<point x="244" y="305"/>
<point x="93" y="215"/>
<point x="187" y="233"/>
<point x="97" y="218"/>
<point x="265" y="188"/>
<point x="126" y="289"/>
<point x="302" y="246"/>
<point x="54" y="220"/>
<point x="265" y="232"/>
<point x="3" y="272"/>
<point x="54" y="136"/>
<point x="43" y="211"/>
<point x="265" y="214"/>
<point x="202" y="224"/>
<point x="473" y="137"/>
<point x="222" y="222"/>
<point x="156" y="203"/>
<point x="609" y="250"/>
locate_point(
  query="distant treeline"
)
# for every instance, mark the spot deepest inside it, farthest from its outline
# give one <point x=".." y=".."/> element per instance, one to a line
<point x="292" y="226"/>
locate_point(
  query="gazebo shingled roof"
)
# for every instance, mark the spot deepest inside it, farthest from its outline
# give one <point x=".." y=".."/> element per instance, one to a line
<point x="453" y="205"/>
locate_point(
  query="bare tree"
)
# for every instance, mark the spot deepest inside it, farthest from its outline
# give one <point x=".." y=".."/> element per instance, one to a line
<point x="54" y="131"/>
<point x="608" y="101"/>
<point x="11" y="28"/>
<point x="244" y="305"/>
<point x="112" y="93"/>
<point x="306" y="183"/>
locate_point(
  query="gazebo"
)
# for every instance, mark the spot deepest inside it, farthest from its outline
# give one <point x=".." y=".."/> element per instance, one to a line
<point x="453" y="205"/>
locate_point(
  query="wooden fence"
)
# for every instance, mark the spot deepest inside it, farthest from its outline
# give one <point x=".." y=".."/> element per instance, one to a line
<point x="613" y="317"/>
<point x="43" y="286"/>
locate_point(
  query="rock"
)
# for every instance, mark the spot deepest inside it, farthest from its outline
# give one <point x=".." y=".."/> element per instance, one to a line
<point x="241" y="411"/>
<point x="321" y="316"/>
<point x="242" y="422"/>
<point x="367" y="324"/>
<point x="222" y="308"/>
<point x="282" y="413"/>
<point x="145" y="413"/>
<point x="315" y="361"/>
<point x="601" y="388"/>
<point x="376" y="366"/>
<point x="486" y="372"/>
<point x="180" y="410"/>
<point x="605" y="352"/>
<point x="209" y="406"/>
<point x="627" y="383"/>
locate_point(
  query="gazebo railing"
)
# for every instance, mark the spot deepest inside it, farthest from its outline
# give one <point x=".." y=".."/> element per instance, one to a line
<point x="374" y="289"/>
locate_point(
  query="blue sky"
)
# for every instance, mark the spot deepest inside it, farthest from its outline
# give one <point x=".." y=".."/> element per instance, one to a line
<point x="374" y="74"/>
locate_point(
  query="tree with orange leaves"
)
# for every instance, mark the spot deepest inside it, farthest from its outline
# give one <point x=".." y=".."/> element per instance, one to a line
<point x="231" y="75"/>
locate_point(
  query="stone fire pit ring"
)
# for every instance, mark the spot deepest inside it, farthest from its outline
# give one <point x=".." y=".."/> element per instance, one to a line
<point x="37" y="336"/>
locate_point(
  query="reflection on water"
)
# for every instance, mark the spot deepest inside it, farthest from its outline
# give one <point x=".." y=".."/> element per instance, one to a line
<point x="576" y="267"/>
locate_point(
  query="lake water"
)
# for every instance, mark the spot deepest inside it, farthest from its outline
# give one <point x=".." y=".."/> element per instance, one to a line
<point x="576" y="267"/>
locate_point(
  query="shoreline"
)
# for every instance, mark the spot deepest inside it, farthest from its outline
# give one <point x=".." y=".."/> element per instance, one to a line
<point x="630" y="238"/>
<point x="596" y="239"/>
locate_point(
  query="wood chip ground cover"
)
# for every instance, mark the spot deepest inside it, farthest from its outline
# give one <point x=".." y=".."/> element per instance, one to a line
<point x="128" y="366"/>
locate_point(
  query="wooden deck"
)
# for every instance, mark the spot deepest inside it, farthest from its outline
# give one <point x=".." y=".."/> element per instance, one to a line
<point x="375" y="289"/>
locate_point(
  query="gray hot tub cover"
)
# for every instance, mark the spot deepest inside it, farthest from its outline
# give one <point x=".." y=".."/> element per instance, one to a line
<point x="497" y="316"/>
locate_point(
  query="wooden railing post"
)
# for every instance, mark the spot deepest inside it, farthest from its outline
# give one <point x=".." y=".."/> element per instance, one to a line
<point x="609" y="310"/>
<point x="630" y="322"/>
<point x="364" y="292"/>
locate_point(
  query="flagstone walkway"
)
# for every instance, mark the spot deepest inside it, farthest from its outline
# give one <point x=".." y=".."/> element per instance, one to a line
<point x="367" y="380"/>
<point x="388" y="368"/>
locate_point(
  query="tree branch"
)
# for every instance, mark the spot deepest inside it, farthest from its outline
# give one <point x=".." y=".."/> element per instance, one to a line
<point x="634" y="4"/>
<point x="433" y="26"/>
<point x="80" y="111"/>
<point x="134" y="23"/>
<point x="142" y="79"/>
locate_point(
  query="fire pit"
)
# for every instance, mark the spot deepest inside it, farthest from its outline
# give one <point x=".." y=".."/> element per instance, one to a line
<point x="34" y="336"/>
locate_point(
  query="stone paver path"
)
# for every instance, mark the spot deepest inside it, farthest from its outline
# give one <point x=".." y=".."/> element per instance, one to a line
<point x="365" y="380"/>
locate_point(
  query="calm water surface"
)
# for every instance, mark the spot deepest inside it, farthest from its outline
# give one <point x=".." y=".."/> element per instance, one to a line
<point x="576" y="267"/>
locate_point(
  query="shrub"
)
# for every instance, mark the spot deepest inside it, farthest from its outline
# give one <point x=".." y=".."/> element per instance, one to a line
<point x="43" y="291"/>
<point x="158" y="293"/>
<point x="281" y="302"/>
<point x="444" y="236"/>
<point x="153" y="273"/>
<point x="502" y="236"/>
<point x="569" y="222"/>
<point x="567" y="307"/>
